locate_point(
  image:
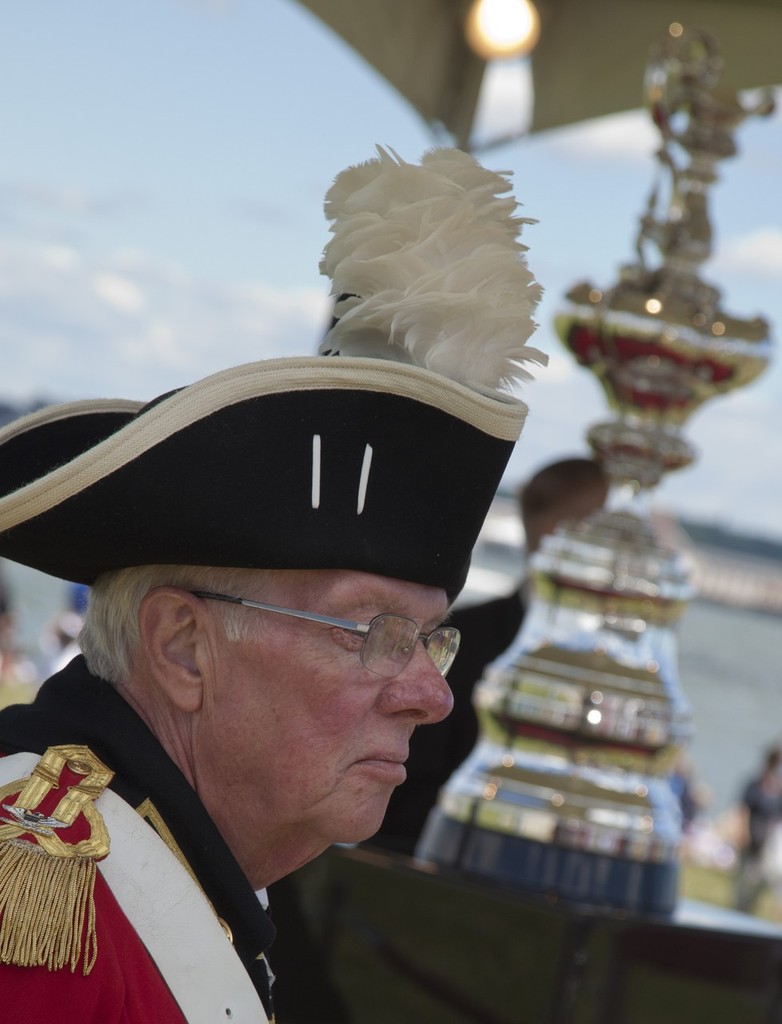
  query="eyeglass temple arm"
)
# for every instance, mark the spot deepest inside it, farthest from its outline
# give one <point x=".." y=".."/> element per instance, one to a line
<point x="355" y="627"/>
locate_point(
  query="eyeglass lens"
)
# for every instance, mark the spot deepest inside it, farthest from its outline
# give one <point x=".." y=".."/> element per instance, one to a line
<point x="442" y="647"/>
<point x="390" y="642"/>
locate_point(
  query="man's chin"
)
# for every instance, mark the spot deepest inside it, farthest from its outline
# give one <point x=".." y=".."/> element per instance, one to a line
<point x="366" y="826"/>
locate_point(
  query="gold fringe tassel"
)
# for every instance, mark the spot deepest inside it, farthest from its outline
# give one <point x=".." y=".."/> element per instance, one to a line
<point x="48" y="909"/>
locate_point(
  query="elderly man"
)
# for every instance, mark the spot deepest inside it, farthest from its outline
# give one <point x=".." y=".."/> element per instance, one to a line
<point x="272" y="553"/>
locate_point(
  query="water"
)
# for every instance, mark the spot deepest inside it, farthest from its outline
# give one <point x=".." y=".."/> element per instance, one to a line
<point x="729" y="670"/>
<point x="728" y="665"/>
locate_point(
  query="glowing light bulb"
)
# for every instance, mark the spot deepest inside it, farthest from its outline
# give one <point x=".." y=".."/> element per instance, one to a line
<point x="502" y="28"/>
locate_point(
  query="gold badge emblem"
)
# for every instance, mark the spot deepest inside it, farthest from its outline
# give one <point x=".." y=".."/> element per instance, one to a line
<point x="51" y="836"/>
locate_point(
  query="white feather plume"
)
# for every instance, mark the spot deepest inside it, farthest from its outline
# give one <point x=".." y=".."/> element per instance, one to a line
<point x="427" y="268"/>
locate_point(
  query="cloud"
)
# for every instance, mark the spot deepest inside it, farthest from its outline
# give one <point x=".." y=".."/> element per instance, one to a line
<point x="128" y="325"/>
<point x="561" y="366"/>
<point x="759" y="252"/>
<point x="257" y="212"/>
<point x="119" y="292"/>
<point x="60" y="257"/>
<point x="66" y="200"/>
<point x="629" y="137"/>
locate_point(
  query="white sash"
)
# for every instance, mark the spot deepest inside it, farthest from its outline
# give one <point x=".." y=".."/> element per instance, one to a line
<point x="170" y="914"/>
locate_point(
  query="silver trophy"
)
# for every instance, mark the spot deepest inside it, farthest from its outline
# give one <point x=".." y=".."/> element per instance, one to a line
<point x="581" y="720"/>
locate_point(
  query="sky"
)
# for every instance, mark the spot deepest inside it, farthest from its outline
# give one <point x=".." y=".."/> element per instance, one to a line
<point x="161" y="217"/>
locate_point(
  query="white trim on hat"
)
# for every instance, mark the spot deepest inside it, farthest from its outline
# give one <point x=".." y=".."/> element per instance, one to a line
<point x="65" y="411"/>
<point x="502" y="418"/>
<point x="364" y="479"/>
<point x="316" y="470"/>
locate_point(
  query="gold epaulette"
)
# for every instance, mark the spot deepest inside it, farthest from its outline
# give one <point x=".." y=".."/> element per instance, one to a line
<point x="51" y="837"/>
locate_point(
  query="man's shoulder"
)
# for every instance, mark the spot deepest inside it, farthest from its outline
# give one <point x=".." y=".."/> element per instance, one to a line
<point x="65" y="940"/>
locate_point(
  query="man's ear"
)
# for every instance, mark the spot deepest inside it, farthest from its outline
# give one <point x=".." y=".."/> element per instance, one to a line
<point x="175" y="638"/>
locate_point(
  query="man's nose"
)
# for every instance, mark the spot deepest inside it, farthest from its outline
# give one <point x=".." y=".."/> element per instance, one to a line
<point x="419" y="691"/>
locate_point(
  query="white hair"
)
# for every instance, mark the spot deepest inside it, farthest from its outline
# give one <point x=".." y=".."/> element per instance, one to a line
<point x="110" y="637"/>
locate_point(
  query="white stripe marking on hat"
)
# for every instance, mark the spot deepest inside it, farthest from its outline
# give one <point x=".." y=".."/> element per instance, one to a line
<point x="362" y="484"/>
<point x="316" y="470"/>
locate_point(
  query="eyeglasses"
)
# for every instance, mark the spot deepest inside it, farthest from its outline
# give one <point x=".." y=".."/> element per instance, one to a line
<point x="389" y="640"/>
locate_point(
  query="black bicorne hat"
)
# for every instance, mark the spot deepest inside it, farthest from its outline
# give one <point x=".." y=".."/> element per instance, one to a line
<point x="309" y="463"/>
<point x="383" y="459"/>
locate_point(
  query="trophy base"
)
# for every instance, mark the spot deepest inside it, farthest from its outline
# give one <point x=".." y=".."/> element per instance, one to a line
<point x="580" y="876"/>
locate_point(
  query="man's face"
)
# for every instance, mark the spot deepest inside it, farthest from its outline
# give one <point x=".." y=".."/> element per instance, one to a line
<point x="300" y="745"/>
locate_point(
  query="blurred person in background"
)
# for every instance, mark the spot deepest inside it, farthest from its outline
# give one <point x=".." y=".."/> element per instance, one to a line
<point x="18" y="674"/>
<point x="760" y="812"/>
<point x="59" y="642"/>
